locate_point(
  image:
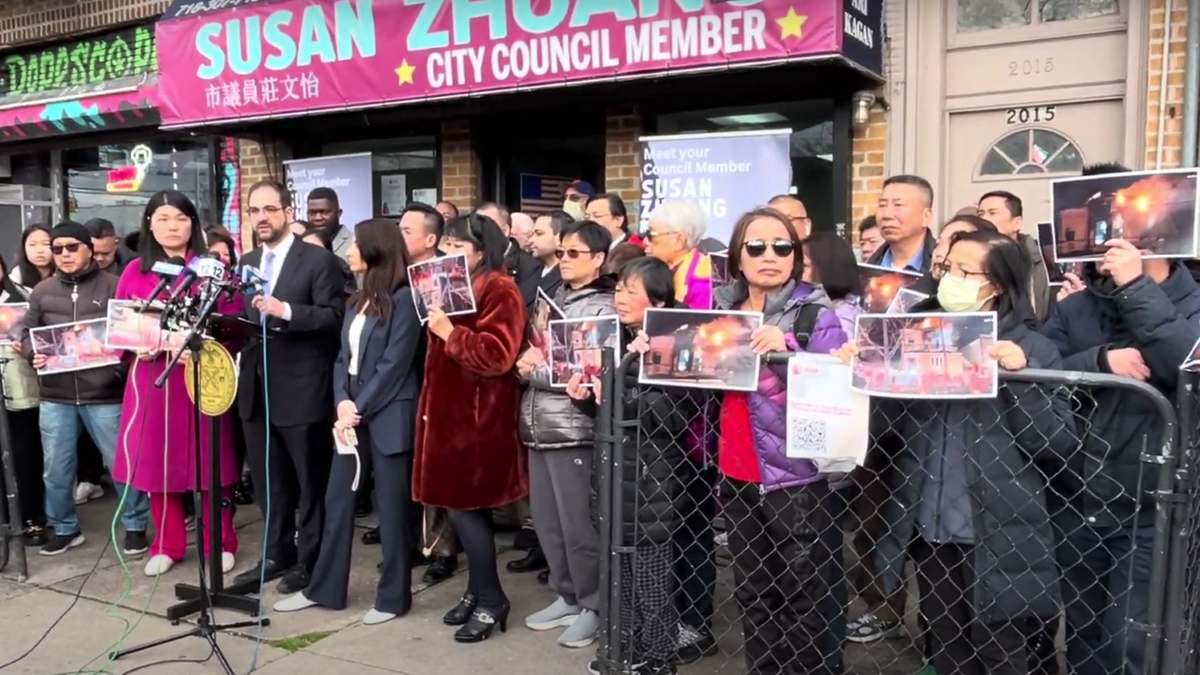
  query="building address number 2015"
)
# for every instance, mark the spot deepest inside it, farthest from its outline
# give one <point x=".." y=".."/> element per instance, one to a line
<point x="1032" y="113"/>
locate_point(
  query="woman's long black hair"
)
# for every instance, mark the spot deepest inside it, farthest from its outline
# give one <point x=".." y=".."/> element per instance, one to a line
<point x="656" y="277"/>
<point x="30" y="274"/>
<point x="382" y="249"/>
<point x="1008" y="268"/>
<point x="149" y="250"/>
<point x="834" y="264"/>
<point x="485" y="235"/>
<point x="9" y="286"/>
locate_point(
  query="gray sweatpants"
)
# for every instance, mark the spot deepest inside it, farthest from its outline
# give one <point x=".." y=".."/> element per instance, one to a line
<point x="560" y="488"/>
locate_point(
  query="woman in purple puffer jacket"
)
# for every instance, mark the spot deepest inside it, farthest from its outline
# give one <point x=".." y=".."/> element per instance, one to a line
<point x="775" y="506"/>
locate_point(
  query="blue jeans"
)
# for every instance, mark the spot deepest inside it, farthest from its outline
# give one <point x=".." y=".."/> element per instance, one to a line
<point x="1106" y="583"/>
<point x="59" y="423"/>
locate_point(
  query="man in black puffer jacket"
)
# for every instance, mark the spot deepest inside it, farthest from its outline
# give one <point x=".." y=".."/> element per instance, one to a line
<point x="91" y="398"/>
<point x="1136" y="318"/>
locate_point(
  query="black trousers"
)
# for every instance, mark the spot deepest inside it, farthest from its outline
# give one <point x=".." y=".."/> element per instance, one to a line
<point x="331" y="575"/>
<point x="89" y="467"/>
<point x="960" y="644"/>
<point x="696" y="567"/>
<point x="27" y="465"/>
<point x="779" y="568"/>
<point x="476" y="532"/>
<point x="299" y="472"/>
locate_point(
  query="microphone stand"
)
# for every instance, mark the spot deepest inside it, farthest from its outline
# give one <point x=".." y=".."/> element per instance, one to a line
<point x="209" y="593"/>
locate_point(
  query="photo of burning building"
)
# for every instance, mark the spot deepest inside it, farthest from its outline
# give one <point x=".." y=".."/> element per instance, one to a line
<point x="577" y="346"/>
<point x="710" y="350"/>
<point x="926" y="356"/>
<point x="444" y="283"/>
<point x="1155" y="211"/>
<point x="881" y="285"/>
<point x="544" y="311"/>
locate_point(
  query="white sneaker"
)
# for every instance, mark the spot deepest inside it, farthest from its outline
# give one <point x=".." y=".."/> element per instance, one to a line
<point x="557" y="615"/>
<point x="85" y="492"/>
<point x="228" y="562"/>
<point x="158" y="565"/>
<point x="376" y="617"/>
<point x="582" y="631"/>
<point x="294" y="603"/>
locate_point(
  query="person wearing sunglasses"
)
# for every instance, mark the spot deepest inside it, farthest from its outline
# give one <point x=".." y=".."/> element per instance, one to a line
<point x="676" y="227"/>
<point x="561" y="441"/>
<point x="774" y="505"/>
<point x="83" y="399"/>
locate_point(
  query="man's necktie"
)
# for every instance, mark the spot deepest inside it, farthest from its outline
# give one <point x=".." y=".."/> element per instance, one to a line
<point x="268" y="271"/>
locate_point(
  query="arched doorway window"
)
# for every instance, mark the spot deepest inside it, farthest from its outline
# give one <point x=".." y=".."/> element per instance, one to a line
<point x="1032" y="151"/>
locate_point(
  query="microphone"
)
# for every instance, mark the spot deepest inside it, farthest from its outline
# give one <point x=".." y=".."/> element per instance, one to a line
<point x="186" y="277"/>
<point x="167" y="271"/>
<point x="210" y="268"/>
<point x="252" y="279"/>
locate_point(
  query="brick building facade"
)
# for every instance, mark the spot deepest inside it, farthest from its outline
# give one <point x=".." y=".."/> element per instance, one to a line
<point x="878" y="149"/>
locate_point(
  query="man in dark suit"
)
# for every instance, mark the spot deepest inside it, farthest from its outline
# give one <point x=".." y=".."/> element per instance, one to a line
<point x="303" y="304"/>
<point x="522" y="267"/>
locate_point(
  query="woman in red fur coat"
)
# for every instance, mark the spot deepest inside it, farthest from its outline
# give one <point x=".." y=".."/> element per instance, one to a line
<point x="468" y="458"/>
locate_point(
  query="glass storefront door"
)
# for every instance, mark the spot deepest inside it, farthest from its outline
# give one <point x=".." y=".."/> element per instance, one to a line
<point x="115" y="181"/>
<point x="20" y="207"/>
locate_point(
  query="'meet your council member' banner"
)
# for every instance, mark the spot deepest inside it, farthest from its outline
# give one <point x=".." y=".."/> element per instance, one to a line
<point x="278" y="57"/>
<point x="725" y="174"/>
<point x="347" y="175"/>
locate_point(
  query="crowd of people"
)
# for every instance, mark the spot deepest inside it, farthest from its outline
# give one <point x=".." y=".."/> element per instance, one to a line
<point x="1015" y="518"/>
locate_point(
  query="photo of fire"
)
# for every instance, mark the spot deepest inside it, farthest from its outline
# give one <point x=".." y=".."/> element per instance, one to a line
<point x="1055" y="270"/>
<point x="709" y="350"/>
<point x="576" y="346"/>
<point x="937" y="356"/>
<point x="881" y="285"/>
<point x="442" y="282"/>
<point x="905" y="300"/>
<point x="1154" y="210"/>
<point x="544" y="311"/>
<point x="73" y="346"/>
<point x="11" y="315"/>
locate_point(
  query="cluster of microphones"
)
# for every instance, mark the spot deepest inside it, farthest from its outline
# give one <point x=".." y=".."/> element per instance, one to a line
<point x="193" y="289"/>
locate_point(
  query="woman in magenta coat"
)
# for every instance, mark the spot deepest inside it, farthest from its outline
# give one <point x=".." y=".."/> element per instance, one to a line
<point x="156" y="441"/>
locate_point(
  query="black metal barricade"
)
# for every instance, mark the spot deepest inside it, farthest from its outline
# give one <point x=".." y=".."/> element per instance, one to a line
<point x="1027" y="533"/>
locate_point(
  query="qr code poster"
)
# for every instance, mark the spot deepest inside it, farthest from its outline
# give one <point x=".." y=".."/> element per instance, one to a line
<point x="827" y="422"/>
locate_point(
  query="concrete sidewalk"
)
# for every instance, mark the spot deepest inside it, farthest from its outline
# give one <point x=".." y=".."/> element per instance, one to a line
<point x="102" y="597"/>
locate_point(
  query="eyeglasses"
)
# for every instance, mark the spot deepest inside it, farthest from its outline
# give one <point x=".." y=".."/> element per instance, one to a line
<point x="572" y="253"/>
<point x="756" y="248"/>
<point x="651" y="235"/>
<point x="944" y="269"/>
<point x="269" y="210"/>
<point x="69" y="248"/>
<point x="577" y="197"/>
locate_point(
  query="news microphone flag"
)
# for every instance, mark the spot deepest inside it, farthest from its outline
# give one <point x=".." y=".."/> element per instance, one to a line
<point x="208" y="268"/>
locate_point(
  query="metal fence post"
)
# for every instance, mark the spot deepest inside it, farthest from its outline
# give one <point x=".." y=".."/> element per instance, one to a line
<point x="11" y="523"/>
<point x="1174" y="645"/>
<point x="609" y="639"/>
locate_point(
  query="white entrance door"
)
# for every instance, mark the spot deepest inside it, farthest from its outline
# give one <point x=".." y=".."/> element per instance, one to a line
<point x="1020" y="149"/>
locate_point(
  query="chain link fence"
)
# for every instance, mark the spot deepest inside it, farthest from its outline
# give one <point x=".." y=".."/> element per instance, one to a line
<point x="1030" y="533"/>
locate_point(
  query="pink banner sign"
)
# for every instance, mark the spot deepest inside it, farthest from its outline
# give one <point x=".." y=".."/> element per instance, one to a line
<point x="296" y="56"/>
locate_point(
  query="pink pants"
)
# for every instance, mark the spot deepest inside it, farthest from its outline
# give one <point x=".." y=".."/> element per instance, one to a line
<point x="171" y="539"/>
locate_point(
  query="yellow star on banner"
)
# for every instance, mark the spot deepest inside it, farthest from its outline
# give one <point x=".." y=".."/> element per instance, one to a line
<point x="791" y="25"/>
<point x="405" y="72"/>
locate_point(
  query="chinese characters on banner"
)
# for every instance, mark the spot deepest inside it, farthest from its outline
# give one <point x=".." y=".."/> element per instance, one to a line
<point x="235" y="94"/>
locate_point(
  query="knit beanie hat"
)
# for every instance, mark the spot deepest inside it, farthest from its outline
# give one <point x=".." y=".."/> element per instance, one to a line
<point x="73" y="230"/>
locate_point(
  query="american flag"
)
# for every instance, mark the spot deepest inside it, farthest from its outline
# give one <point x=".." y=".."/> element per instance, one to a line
<point x="541" y="194"/>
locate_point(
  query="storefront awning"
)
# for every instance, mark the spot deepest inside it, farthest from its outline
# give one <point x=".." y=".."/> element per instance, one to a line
<point x="118" y="104"/>
<point x="242" y="60"/>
